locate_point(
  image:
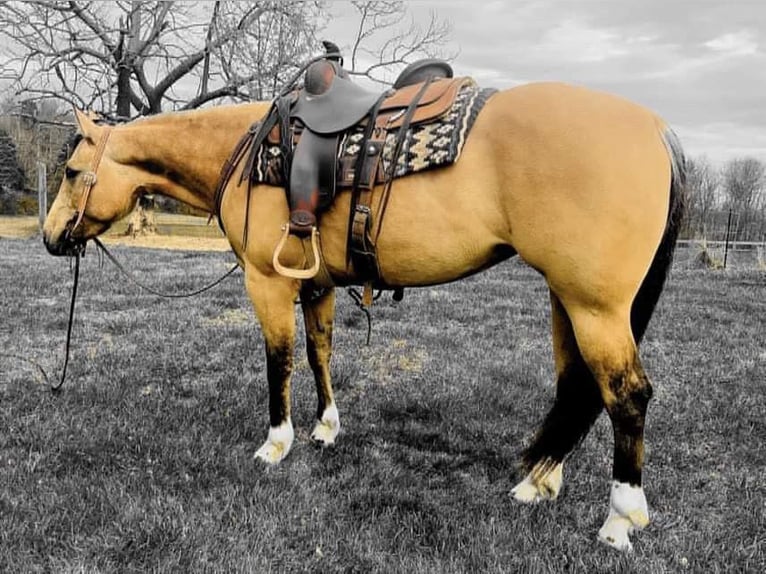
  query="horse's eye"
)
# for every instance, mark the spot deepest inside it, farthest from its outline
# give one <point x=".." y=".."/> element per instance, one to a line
<point x="70" y="173"/>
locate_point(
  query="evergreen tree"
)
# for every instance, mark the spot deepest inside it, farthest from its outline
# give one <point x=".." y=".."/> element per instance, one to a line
<point x="11" y="174"/>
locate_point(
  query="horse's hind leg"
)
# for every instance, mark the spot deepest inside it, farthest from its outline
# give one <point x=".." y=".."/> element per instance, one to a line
<point x="318" y="316"/>
<point x="607" y="346"/>
<point x="576" y="406"/>
<point x="273" y="299"/>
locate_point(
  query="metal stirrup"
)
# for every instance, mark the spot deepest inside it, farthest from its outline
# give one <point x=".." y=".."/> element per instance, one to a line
<point x="302" y="274"/>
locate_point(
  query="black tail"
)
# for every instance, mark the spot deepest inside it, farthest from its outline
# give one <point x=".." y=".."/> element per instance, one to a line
<point x="649" y="293"/>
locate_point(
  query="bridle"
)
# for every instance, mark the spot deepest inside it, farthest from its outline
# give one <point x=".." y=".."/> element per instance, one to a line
<point x="90" y="178"/>
<point x="89" y="181"/>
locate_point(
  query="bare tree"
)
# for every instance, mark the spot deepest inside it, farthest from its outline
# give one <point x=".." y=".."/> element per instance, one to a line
<point x="744" y="180"/>
<point x="387" y="38"/>
<point x="130" y="58"/>
<point x="148" y="55"/>
<point x="703" y="184"/>
<point x="264" y="55"/>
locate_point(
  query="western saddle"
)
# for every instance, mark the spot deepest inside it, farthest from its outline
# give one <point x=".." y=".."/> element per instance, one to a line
<point x="308" y="124"/>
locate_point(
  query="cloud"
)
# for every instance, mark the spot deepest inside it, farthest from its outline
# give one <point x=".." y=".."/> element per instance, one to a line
<point x="699" y="64"/>
<point x="740" y="43"/>
<point x="575" y="41"/>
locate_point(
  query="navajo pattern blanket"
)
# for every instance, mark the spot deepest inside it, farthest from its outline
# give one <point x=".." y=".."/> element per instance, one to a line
<point x="426" y="145"/>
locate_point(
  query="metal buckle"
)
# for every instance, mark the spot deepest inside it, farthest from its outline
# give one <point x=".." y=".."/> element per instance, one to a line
<point x="89" y="178"/>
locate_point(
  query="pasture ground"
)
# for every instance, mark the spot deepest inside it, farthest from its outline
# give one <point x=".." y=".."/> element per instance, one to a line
<point x="144" y="461"/>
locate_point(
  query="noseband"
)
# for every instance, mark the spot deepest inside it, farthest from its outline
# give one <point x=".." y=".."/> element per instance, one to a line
<point x="89" y="177"/>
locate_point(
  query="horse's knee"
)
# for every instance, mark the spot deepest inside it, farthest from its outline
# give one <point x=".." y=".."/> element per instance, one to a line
<point x="631" y="386"/>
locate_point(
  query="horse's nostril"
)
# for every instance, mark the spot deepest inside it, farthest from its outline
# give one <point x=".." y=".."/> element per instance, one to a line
<point x="54" y="248"/>
<point x="64" y="245"/>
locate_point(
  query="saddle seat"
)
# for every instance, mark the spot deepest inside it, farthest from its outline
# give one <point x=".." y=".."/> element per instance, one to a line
<point x="345" y="104"/>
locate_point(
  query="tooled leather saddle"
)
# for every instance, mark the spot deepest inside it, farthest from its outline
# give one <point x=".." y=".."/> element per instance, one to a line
<point x="310" y="126"/>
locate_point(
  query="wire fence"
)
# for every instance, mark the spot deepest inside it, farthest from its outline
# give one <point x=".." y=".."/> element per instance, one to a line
<point x="700" y="253"/>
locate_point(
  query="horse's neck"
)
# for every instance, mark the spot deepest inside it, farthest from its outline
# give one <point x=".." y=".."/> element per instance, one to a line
<point x="190" y="147"/>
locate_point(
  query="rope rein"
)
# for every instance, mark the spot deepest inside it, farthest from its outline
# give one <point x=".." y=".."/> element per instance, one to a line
<point x="55" y="388"/>
<point x="133" y="279"/>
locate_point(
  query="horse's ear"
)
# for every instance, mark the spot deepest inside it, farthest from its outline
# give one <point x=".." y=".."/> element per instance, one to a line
<point x="86" y="126"/>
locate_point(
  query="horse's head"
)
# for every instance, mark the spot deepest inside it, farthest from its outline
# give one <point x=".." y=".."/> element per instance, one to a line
<point x="96" y="191"/>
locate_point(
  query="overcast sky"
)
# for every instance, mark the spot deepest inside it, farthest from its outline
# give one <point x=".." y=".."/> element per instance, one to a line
<point x="700" y="64"/>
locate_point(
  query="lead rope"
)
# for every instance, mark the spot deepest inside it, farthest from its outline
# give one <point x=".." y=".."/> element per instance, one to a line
<point x="55" y="388"/>
<point x="145" y="287"/>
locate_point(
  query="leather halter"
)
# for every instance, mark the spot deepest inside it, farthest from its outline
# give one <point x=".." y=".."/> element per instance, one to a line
<point x="89" y="177"/>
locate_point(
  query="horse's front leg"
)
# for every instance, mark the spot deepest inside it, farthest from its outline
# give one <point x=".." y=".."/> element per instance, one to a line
<point x="273" y="299"/>
<point x="318" y="315"/>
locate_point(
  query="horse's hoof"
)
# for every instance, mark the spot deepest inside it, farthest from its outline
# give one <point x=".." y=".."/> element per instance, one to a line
<point x="536" y="487"/>
<point x="526" y="492"/>
<point x="628" y="511"/>
<point x="276" y="447"/>
<point x="615" y="533"/>
<point x="323" y="436"/>
<point x="327" y="428"/>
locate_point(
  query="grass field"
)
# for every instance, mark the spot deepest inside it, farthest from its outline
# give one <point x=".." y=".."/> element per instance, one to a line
<point x="143" y="463"/>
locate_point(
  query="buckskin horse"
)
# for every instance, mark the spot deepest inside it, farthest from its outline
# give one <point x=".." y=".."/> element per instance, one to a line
<point x="585" y="187"/>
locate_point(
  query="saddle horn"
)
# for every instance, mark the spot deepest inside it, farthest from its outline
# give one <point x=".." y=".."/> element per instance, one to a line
<point x="332" y="52"/>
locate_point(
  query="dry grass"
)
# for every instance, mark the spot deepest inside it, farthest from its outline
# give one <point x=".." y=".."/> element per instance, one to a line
<point x="144" y="461"/>
<point x="176" y="232"/>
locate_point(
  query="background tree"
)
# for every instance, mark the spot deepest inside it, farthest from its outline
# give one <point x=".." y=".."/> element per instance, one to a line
<point x="130" y="58"/>
<point x="387" y="38"/>
<point x="120" y="57"/>
<point x="11" y="174"/>
<point x="743" y="181"/>
<point x="703" y="183"/>
<point x="38" y="137"/>
<point x="263" y="56"/>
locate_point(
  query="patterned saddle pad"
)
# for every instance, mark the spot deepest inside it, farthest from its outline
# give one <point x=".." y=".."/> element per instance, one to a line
<point x="426" y="145"/>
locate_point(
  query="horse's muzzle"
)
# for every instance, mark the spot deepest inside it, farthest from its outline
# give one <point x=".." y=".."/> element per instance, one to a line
<point x="64" y="245"/>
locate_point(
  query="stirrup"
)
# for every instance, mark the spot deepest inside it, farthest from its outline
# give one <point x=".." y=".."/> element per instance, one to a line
<point x="302" y="274"/>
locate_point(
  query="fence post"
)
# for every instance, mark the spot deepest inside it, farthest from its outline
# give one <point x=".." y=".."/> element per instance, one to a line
<point x="42" y="192"/>
<point x="726" y="245"/>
